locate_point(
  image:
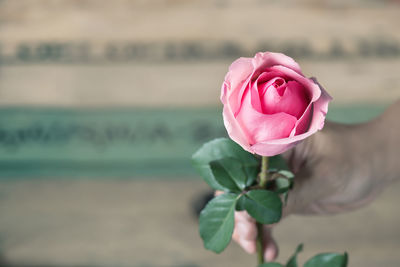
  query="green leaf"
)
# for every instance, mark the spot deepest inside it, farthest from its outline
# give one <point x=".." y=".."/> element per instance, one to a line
<point x="263" y="205"/>
<point x="328" y="260"/>
<point x="278" y="163"/>
<point x="229" y="173"/>
<point x="252" y="174"/>
<point x="286" y="173"/>
<point x="282" y="185"/>
<point x="224" y="148"/>
<point x="240" y="203"/>
<point x="271" y="264"/>
<point x="292" y="262"/>
<point x="285" y="197"/>
<point x="217" y="221"/>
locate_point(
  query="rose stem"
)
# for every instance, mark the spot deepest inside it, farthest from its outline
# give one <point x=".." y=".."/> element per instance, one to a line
<point x="263" y="173"/>
<point x="262" y="183"/>
<point x="259" y="244"/>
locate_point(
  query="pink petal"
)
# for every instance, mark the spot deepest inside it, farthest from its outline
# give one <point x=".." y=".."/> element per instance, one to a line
<point x="269" y="149"/>
<point x="311" y="87"/>
<point x="278" y="146"/>
<point x="278" y="85"/>
<point x="255" y="90"/>
<point x="260" y="127"/>
<point x="290" y="98"/>
<point x="239" y="71"/>
<point x="237" y="77"/>
<point x="233" y="128"/>
<point x="224" y="92"/>
<point x="304" y="122"/>
<point x="269" y="59"/>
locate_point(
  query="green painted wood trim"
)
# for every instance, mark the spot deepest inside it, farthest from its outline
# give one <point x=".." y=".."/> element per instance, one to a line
<point x="115" y="142"/>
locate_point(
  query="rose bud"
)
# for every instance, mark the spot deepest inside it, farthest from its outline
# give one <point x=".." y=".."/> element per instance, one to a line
<point x="269" y="105"/>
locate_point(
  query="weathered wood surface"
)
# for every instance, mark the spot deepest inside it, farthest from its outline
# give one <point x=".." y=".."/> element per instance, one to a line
<point x="176" y="53"/>
<point x="149" y="223"/>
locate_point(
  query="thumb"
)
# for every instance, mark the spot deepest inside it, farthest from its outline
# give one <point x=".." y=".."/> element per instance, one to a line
<point x="270" y="247"/>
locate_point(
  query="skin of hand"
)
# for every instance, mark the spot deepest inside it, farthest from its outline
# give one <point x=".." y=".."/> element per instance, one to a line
<point x="340" y="168"/>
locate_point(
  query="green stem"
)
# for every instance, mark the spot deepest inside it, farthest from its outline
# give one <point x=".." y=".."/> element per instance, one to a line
<point x="263" y="173"/>
<point x="260" y="244"/>
<point x="262" y="183"/>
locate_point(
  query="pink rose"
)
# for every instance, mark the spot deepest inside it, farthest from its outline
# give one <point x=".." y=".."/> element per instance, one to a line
<point x="269" y="105"/>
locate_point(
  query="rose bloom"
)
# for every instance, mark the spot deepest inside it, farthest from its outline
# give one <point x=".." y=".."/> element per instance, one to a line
<point x="269" y="105"/>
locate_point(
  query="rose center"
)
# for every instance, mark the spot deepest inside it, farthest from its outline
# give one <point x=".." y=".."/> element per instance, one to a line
<point x="278" y="95"/>
<point x="279" y="85"/>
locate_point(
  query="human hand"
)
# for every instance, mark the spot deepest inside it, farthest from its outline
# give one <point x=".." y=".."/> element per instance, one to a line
<point x="333" y="173"/>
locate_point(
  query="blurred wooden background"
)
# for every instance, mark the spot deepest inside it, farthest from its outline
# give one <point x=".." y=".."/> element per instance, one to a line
<point x="81" y="79"/>
<point x="175" y="53"/>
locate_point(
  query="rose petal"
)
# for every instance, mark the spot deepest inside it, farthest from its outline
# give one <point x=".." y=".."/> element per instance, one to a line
<point x="269" y="59"/>
<point x="239" y="71"/>
<point x="263" y="73"/>
<point x="278" y="85"/>
<point x="255" y="90"/>
<point x="289" y="97"/>
<point x="255" y="98"/>
<point x="312" y="88"/>
<point x="234" y="130"/>
<point x="320" y="108"/>
<point x="224" y="91"/>
<point x="269" y="149"/>
<point x="303" y="123"/>
<point x="263" y="127"/>
<point x="237" y="77"/>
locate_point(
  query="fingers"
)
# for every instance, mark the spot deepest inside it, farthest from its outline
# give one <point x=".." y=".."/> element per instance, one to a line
<point x="270" y="247"/>
<point x="245" y="234"/>
<point x="245" y="231"/>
